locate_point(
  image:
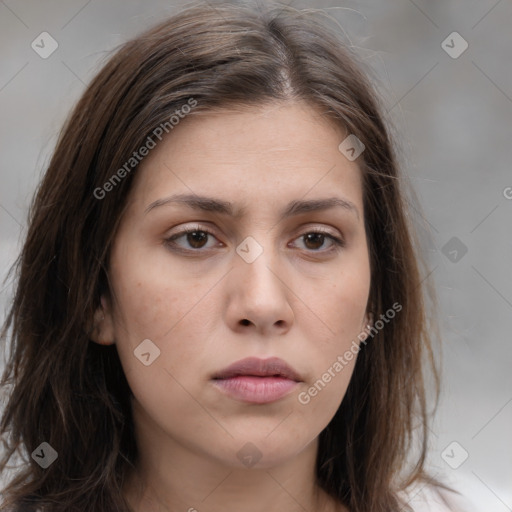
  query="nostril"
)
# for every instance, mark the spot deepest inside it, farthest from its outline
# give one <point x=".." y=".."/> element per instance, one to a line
<point x="245" y="321"/>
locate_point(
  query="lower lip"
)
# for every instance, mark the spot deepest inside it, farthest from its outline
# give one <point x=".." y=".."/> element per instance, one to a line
<point x="256" y="390"/>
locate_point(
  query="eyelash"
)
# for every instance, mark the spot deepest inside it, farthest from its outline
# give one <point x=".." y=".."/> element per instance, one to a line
<point x="338" y="243"/>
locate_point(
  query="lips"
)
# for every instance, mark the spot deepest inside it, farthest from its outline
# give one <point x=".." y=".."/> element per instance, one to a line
<point x="257" y="381"/>
<point x="252" y="366"/>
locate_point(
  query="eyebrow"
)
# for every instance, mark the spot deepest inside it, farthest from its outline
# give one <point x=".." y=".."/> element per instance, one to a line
<point x="211" y="204"/>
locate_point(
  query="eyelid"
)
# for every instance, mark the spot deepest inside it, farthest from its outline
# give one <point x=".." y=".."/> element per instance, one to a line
<point x="194" y="226"/>
<point x="318" y="229"/>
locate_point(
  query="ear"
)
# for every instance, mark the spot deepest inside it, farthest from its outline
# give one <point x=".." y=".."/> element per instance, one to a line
<point x="367" y="323"/>
<point x="103" y="325"/>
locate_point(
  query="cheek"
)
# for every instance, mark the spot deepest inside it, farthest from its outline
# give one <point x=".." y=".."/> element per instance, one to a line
<point x="158" y="307"/>
<point x="319" y="401"/>
<point x="153" y="293"/>
<point x="340" y="305"/>
<point x="162" y="303"/>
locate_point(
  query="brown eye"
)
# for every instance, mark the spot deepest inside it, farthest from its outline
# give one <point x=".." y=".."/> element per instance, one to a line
<point x="314" y="241"/>
<point x="197" y="239"/>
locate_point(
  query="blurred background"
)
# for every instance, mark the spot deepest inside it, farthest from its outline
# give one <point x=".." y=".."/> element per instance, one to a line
<point x="444" y="70"/>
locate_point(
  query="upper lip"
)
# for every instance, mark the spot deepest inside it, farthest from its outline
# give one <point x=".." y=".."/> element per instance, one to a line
<point x="273" y="366"/>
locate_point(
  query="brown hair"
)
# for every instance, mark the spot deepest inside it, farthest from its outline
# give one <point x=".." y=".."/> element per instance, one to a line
<point x="72" y="393"/>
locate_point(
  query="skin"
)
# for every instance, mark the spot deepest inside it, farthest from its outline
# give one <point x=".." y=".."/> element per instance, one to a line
<point x="304" y="302"/>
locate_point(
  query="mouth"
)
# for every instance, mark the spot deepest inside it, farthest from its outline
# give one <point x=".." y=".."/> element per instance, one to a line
<point x="257" y="381"/>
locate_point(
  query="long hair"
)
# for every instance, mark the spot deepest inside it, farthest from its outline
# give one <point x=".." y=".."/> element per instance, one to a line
<point x="72" y="393"/>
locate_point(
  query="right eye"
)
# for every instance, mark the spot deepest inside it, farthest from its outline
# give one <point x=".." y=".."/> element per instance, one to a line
<point x="196" y="239"/>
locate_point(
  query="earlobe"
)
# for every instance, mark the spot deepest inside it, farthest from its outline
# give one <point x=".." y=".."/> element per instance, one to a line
<point x="102" y="331"/>
<point x="367" y="323"/>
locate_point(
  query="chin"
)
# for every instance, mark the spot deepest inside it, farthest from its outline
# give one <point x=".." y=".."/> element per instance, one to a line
<point x="255" y="452"/>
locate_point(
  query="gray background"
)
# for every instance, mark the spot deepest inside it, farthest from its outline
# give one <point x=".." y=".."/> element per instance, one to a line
<point x="454" y="117"/>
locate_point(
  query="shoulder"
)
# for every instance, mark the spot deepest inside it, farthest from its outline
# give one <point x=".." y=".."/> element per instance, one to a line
<point x="422" y="497"/>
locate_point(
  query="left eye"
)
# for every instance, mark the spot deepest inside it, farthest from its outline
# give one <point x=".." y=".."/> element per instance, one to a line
<point x="198" y="239"/>
<point x="314" y="240"/>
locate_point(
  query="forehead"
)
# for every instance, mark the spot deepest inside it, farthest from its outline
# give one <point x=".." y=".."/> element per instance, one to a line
<point x="262" y="151"/>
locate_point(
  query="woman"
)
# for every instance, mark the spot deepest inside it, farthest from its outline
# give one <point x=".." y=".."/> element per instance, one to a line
<point x="219" y="304"/>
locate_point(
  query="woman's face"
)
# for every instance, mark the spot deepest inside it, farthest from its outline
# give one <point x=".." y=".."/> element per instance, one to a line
<point x="261" y="277"/>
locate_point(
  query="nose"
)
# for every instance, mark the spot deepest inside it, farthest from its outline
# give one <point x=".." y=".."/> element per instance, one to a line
<point x="259" y="296"/>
